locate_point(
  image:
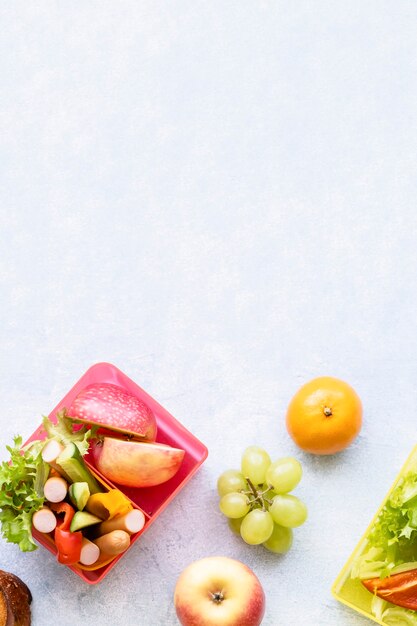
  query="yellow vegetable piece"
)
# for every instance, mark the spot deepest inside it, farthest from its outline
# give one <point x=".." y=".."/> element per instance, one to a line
<point x="108" y="505"/>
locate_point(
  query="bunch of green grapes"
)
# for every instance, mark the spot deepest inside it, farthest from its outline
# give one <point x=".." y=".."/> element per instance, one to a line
<point x="257" y="501"/>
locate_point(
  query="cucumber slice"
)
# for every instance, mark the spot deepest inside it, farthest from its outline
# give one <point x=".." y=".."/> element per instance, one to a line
<point x="79" y="494"/>
<point x="72" y="463"/>
<point x="82" y="519"/>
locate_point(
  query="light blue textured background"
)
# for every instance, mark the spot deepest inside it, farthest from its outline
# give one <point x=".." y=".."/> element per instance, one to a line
<point x="220" y="198"/>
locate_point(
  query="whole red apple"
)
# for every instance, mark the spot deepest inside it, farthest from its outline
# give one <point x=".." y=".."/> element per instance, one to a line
<point x="218" y="591"/>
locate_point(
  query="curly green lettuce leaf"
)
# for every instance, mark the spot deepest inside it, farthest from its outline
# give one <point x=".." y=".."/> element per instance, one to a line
<point x="392" y="540"/>
<point x="63" y="431"/>
<point x="21" y="493"/>
<point x="405" y="491"/>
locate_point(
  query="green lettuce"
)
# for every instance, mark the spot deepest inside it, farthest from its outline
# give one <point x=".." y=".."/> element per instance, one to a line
<point x="22" y="479"/>
<point x="21" y="493"/>
<point x="63" y="432"/>
<point x="397" y="616"/>
<point x="392" y="540"/>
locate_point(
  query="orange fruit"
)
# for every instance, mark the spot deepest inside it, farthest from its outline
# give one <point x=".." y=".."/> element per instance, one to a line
<point x="324" y="416"/>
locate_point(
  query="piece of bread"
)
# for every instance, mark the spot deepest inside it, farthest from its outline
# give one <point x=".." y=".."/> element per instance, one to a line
<point x="15" y="599"/>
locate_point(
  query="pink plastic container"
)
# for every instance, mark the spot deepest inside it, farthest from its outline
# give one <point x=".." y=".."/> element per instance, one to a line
<point x="152" y="500"/>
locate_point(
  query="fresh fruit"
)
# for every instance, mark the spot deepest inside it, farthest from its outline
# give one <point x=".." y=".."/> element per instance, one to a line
<point x="235" y="524"/>
<point x="324" y="416"/>
<point x="135" y="463"/>
<point x="280" y="541"/>
<point x="218" y="591"/>
<point x="288" y="511"/>
<point x="284" y="475"/>
<point x="115" y="408"/>
<point x="256" y="527"/>
<point x="255" y="462"/>
<point x="231" y="480"/>
<point x="234" y="505"/>
<point x="252" y="507"/>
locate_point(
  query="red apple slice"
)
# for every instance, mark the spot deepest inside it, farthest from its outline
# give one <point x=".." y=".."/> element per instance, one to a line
<point x="115" y="408"/>
<point x="136" y="463"/>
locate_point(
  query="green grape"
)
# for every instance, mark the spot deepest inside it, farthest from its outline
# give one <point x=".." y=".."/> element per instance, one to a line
<point x="255" y="462"/>
<point x="280" y="541"/>
<point x="231" y="480"/>
<point x="256" y="527"/>
<point x="284" y="475"/>
<point x="288" y="511"/>
<point x="234" y="505"/>
<point x="235" y="524"/>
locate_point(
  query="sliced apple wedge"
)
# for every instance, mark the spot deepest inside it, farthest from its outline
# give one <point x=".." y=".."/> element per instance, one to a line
<point x="136" y="463"/>
<point x="115" y="408"/>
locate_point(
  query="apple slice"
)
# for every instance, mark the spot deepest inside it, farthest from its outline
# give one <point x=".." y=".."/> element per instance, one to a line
<point x="115" y="408"/>
<point x="136" y="463"/>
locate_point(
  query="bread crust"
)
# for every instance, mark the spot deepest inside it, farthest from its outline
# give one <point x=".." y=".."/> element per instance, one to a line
<point x="15" y="599"/>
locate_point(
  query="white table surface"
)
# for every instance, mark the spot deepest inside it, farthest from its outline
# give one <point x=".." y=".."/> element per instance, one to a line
<point x="220" y="199"/>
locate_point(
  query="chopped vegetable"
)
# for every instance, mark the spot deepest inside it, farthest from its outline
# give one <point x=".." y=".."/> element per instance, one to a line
<point x="399" y="589"/>
<point x="392" y="615"/>
<point x="82" y="519"/>
<point x="108" y="505"/>
<point x="21" y="492"/>
<point x="44" y="521"/>
<point x="72" y="463"/>
<point x="65" y="509"/>
<point x="67" y="543"/>
<point x="79" y="494"/>
<point x="22" y="479"/>
<point x="395" y="616"/>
